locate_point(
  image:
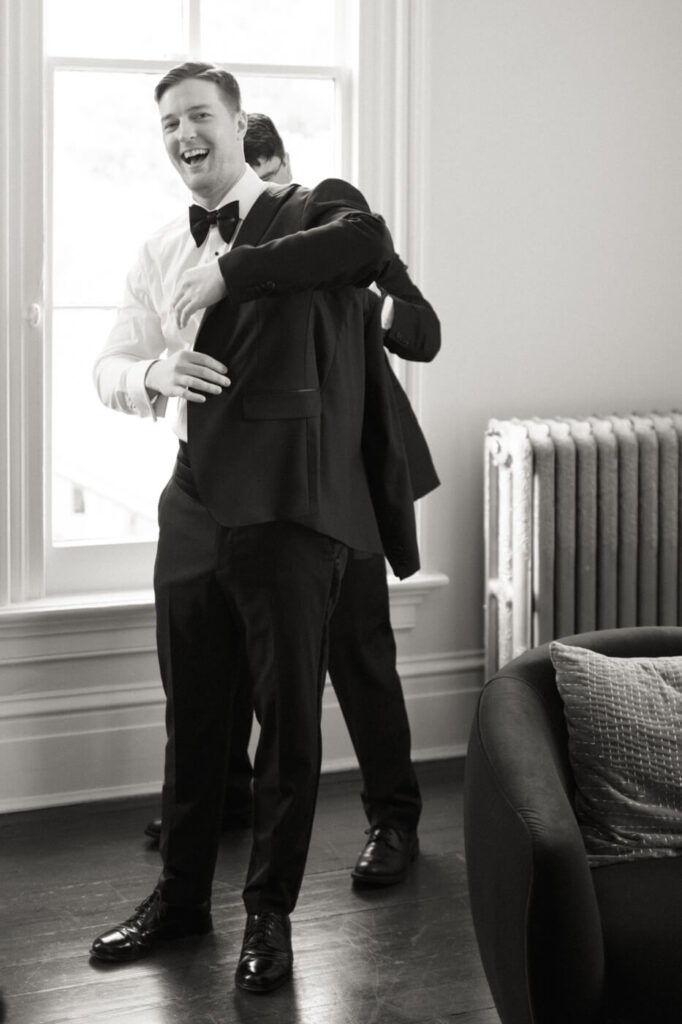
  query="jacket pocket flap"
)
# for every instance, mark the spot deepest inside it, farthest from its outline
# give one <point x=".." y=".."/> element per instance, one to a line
<point x="282" y="405"/>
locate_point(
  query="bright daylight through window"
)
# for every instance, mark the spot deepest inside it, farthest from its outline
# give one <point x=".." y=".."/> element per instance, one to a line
<point x="110" y="186"/>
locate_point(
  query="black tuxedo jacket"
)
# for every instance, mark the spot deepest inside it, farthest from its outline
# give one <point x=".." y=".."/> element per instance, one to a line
<point x="414" y="335"/>
<point x="284" y="441"/>
<point x="395" y="452"/>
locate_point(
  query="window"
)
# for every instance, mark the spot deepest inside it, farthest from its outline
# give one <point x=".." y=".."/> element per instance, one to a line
<point x="108" y="186"/>
<point x="85" y="179"/>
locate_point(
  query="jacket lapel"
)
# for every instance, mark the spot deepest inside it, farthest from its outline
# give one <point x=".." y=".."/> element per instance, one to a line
<point x="257" y="221"/>
<point x="262" y="213"/>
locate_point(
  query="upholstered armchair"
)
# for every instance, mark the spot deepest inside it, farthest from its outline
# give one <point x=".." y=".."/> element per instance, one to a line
<point x="562" y="943"/>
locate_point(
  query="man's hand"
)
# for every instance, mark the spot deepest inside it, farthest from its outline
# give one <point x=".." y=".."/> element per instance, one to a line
<point x="186" y="374"/>
<point x="198" y="288"/>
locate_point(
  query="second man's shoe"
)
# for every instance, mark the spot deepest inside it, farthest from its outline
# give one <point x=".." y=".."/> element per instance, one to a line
<point x="153" y="921"/>
<point x="267" y="958"/>
<point x="386" y="857"/>
<point x="153" y="829"/>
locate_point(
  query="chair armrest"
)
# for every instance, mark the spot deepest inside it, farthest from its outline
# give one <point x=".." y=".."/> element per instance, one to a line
<point x="532" y="898"/>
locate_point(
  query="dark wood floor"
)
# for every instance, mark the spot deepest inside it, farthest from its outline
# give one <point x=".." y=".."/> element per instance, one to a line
<point x="401" y="954"/>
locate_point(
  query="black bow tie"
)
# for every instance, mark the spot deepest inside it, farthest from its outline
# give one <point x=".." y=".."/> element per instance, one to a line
<point x="200" y="220"/>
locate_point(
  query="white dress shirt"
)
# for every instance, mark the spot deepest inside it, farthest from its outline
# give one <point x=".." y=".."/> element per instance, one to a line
<point x="145" y="327"/>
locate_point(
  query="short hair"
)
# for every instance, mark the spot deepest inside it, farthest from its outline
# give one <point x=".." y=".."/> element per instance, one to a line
<point x="225" y="81"/>
<point x="262" y="140"/>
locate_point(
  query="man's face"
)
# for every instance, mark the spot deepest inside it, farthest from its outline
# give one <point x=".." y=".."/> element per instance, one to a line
<point x="203" y="138"/>
<point x="274" y="169"/>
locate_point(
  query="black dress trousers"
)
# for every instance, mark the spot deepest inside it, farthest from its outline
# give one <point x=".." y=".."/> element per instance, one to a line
<point x="362" y="667"/>
<point x="256" y="601"/>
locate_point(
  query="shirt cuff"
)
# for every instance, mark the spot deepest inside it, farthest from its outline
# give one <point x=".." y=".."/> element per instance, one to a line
<point x="137" y="397"/>
<point x="387" y="312"/>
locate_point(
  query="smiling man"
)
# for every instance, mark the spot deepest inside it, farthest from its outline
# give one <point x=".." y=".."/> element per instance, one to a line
<point x="268" y="494"/>
<point x="203" y="136"/>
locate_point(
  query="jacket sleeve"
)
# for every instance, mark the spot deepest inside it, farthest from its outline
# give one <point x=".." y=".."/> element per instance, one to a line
<point x="340" y="242"/>
<point x="415" y="331"/>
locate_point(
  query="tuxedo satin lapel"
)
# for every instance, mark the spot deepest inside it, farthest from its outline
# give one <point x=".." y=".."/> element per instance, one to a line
<point x="256" y="223"/>
<point x="261" y="214"/>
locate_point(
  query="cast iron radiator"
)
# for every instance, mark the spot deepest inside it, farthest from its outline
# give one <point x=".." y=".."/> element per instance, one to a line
<point x="582" y="525"/>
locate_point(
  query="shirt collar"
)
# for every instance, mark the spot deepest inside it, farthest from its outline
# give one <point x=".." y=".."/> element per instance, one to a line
<point x="246" y="191"/>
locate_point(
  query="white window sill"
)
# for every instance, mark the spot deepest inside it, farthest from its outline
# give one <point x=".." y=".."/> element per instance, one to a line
<point x="102" y="614"/>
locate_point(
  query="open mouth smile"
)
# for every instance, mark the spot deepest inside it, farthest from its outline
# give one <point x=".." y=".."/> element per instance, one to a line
<point x="192" y="157"/>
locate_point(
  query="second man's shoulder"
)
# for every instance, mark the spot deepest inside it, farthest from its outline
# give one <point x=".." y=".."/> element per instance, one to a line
<point x="338" y="192"/>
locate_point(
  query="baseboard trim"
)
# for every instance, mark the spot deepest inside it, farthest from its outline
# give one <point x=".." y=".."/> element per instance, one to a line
<point x="80" y="796"/>
<point x="80" y="745"/>
<point x="73" y="701"/>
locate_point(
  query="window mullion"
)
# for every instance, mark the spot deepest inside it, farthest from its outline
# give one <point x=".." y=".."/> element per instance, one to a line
<point x="22" y="340"/>
<point x="6" y="291"/>
<point x="122" y="64"/>
<point x="192" y="27"/>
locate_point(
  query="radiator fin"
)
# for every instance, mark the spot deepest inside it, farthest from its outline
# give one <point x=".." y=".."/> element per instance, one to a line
<point x="582" y="527"/>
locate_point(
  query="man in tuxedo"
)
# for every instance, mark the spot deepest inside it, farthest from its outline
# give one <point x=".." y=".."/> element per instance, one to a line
<point x="362" y="653"/>
<point x="268" y="495"/>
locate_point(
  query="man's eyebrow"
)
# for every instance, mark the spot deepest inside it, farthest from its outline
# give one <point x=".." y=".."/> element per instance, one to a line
<point x="190" y="110"/>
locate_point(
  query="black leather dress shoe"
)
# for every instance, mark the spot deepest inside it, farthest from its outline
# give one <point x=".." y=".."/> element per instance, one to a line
<point x="153" y="829"/>
<point x="266" y="958"/>
<point x="386" y="857"/>
<point x="153" y="921"/>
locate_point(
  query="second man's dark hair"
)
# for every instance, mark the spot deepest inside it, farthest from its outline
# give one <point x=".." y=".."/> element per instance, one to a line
<point x="262" y="140"/>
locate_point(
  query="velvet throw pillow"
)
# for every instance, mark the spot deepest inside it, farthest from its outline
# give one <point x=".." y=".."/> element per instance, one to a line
<point x="624" y="718"/>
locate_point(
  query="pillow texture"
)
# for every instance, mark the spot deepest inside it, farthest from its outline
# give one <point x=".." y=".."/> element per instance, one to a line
<point x="624" y="718"/>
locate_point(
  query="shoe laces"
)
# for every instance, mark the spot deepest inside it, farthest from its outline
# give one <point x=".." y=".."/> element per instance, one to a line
<point x="385" y="834"/>
<point x="147" y="904"/>
<point x="142" y="913"/>
<point x="148" y="901"/>
<point x="262" y="927"/>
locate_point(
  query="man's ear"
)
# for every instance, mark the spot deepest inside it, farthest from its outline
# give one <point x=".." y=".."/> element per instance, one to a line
<point x="242" y="123"/>
<point x="286" y="164"/>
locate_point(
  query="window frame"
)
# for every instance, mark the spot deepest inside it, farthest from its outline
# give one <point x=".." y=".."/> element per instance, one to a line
<point x="50" y="568"/>
<point x="127" y="564"/>
<point x="22" y="423"/>
<point x="380" y="162"/>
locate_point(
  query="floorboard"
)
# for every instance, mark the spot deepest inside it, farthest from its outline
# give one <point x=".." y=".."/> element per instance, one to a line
<point x="404" y="954"/>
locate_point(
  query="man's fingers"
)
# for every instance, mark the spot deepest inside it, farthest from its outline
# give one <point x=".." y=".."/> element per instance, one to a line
<point x="181" y="316"/>
<point x="188" y="309"/>
<point x="184" y="309"/>
<point x="202" y="359"/>
<point x="198" y="374"/>
<point x="191" y="396"/>
<point x="200" y="384"/>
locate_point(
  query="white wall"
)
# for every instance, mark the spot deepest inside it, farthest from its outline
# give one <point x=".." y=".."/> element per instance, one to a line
<point x="554" y="240"/>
